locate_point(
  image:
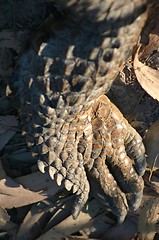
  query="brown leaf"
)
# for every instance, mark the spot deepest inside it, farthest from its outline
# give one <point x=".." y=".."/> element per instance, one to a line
<point x="5" y="137"/>
<point x="2" y="172"/>
<point x="69" y="226"/>
<point x="147" y="77"/>
<point x="38" y="187"/>
<point x="154" y="185"/>
<point x="6" y="122"/>
<point x="5" y="223"/>
<point x="97" y="227"/>
<point x="13" y="194"/>
<point x="124" y="231"/>
<point x="39" y="182"/>
<point x="31" y="225"/>
<point x="4" y="217"/>
<point x="37" y="218"/>
<point x="26" y="190"/>
<point x="153" y="44"/>
<point x="136" y="124"/>
<point x="148" y="218"/>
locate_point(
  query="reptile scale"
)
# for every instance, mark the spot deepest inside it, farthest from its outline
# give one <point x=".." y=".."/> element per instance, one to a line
<point x="72" y="128"/>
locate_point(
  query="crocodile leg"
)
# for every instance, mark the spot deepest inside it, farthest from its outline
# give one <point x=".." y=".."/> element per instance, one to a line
<point x="72" y="128"/>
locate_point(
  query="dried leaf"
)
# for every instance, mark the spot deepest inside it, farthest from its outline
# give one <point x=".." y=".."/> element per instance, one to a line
<point x="31" y="226"/>
<point x="154" y="185"/>
<point x="4" y="217"/>
<point x="5" y="223"/>
<point x="38" y="187"/>
<point x="39" y="182"/>
<point x="97" y="227"/>
<point x="148" y="218"/>
<point x="124" y="231"/>
<point x="69" y="226"/>
<point x="6" y="122"/>
<point x="153" y="44"/>
<point x="136" y="124"/>
<point x="2" y="172"/>
<point x="37" y="218"/>
<point x="152" y="181"/>
<point x="5" y="137"/>
<point x="13" y="194"/>
<point x="151" y="141"/>
<point x="147" y="77"/>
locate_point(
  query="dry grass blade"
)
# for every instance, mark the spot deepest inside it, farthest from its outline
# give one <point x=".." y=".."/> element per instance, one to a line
<point x="153" y="182"/>
<point x="147" y="77"/>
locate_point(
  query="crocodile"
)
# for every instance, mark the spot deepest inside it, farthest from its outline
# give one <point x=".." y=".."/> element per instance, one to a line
<point x="73" y="130"/>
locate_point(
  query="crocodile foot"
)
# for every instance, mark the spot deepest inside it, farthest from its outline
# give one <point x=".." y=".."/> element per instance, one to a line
<point x="102" y="144"/>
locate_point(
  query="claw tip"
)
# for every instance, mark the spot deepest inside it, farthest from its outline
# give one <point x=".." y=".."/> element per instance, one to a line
<point x="41" y="166"/>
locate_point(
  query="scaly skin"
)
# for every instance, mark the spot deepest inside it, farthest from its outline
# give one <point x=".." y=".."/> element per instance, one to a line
<point x="72" y="128"/>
